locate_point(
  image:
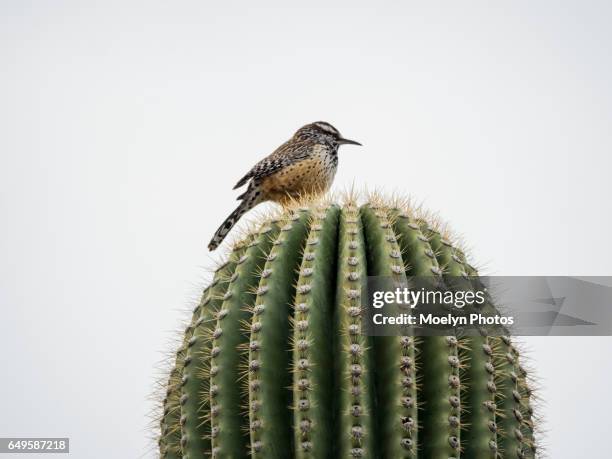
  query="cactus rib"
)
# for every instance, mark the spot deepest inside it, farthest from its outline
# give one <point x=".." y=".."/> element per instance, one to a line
<point x="352" y="349"/>
<point x="395" y="355"/>
<point x="312" y="337"/>
<point x="269" y="360"/>
<point x="228" y="433"/>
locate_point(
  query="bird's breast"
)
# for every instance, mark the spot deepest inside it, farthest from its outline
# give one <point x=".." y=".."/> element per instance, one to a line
<point x="313" y="175"/>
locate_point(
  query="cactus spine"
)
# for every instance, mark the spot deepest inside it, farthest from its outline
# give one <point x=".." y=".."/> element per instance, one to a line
<point x="275" y="364"/>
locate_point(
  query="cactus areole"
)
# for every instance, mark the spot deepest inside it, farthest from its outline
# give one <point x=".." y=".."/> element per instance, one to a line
<point x="275" y="364"/>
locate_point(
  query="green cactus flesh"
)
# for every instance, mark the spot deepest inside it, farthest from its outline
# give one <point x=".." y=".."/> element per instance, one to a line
<point x="274" y="363"/>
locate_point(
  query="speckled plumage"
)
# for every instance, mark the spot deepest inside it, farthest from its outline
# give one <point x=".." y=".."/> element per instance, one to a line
<point x="304" y="165"/>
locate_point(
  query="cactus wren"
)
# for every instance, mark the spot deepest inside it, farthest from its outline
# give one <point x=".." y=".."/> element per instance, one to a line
<point x="305" y="164"/>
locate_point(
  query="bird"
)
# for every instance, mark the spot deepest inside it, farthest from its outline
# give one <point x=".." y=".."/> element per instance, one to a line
<point x="304" y="165"/>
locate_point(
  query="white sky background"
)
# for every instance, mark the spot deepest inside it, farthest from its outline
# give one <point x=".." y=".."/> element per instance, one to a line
<point x="126" y="124"/>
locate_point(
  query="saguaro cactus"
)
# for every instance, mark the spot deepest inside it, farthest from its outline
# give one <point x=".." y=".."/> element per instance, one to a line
<point x="274" y="363"/>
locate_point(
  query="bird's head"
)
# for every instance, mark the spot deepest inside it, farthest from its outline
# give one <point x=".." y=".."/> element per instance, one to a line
<point x="323" y="132"/>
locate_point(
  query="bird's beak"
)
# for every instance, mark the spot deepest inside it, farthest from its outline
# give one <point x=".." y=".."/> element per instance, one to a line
<point x="342" y="141"/>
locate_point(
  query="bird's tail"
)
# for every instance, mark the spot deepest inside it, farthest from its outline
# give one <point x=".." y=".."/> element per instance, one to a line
<point x="229" y="223"/>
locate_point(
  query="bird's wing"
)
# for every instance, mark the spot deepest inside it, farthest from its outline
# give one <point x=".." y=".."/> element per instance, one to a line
<point x="279" y="159"/>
